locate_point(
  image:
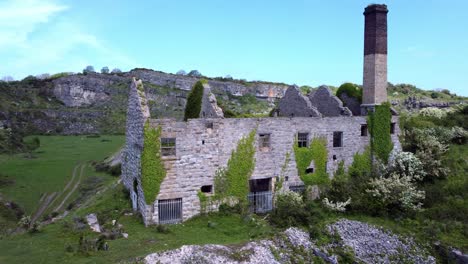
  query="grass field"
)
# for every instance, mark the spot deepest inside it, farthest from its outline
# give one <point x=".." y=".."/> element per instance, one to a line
<point x="49" y="245"/>
<point x="52" y="166"/>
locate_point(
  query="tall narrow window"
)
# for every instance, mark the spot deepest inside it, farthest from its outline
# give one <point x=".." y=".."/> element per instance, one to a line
<point x="264" y="141"/>
<point x="168" y="146"/>
<point x="392" y="128"/>
<point x="364" y="130"/>
<point x="302" y="140"/>
<point x="337" y="139"/>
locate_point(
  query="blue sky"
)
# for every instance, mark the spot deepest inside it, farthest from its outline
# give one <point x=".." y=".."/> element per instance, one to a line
<point x="305" y="42"/>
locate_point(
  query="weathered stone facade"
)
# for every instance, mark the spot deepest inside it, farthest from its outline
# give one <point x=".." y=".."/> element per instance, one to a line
<point x="199" y="147"/>
<point x="205" y="145"/>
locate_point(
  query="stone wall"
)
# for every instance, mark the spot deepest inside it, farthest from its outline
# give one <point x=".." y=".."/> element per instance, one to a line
<point x="201" y="150"/>
<point x="294" y="104"/>
<point x="137" y="115"/>
<point x="328" y="104"/>
<point x="210" y="106"/>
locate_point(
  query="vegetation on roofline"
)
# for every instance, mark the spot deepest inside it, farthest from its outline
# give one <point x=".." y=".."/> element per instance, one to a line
<point x="351" y="89"/>
<point x="194" y="101"/>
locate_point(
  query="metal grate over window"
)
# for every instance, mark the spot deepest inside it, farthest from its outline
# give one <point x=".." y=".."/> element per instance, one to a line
<point x="170" y="211"/>
<point x="168" y="146"/>
<point x="302" y="140"/>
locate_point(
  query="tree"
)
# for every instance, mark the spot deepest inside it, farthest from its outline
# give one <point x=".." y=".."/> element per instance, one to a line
<point x="229" y="77"/>
<point x="7" y="78"/>
<point x="181" y="72"/>
<point x="105" y="70"/>
<point x="116" y="70"/>
<point x="43" y="76"/>
<point x="194" y="101"/>
<point x="88" y="69"/>
<point x="194" y="73"/>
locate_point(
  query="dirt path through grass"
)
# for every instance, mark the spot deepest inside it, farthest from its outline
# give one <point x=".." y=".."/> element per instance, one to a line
<point x="45" y="203"/>
<point x="77" y="183"/>
<point x="68" y="184"/>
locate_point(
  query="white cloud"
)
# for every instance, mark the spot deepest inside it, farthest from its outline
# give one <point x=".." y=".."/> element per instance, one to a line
<point x="36" y="36"/>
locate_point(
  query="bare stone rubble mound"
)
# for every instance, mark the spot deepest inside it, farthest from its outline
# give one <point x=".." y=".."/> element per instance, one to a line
<point x="373" y="245"/>
<point x="292" y="246"/>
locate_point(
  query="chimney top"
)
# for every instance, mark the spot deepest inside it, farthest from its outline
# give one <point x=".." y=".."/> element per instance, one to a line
<point x="376" y="8"/>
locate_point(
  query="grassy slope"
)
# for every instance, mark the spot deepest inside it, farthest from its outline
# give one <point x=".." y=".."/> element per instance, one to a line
<point x="52" y="167"/>
<point x="49" y="245"/>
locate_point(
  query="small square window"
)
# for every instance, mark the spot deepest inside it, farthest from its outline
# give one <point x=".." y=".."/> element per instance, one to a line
<point x="392" y="128"/>
<point x="337" y="139"/>
<point x="264" y="140"/>
<point x="364" y="130"/>
<point x="209" y="125"/>
<point x="302" y="140"/>
<point x="207" y="189"/>
<point x="168" y="146"/>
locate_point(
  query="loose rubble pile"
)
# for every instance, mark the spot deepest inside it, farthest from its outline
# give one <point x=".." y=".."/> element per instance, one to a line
<point x="292" y="246"/>
<point x="373" y="245"/>
<point x="370" y="245"/>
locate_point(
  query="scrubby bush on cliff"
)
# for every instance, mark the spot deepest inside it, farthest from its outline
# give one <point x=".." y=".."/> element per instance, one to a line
<point x="194" y="101"/>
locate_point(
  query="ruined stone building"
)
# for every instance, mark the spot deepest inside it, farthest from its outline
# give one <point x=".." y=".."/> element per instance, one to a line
<point x="192" y="151"/>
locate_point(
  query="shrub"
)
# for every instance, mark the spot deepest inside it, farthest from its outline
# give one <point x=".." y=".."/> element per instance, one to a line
<point x="194" y="101"/>
<point x="351" y="89"/>
<point x="397" y="188"/>
<point x="289" y="210"/>
<point x="152" y="168"/>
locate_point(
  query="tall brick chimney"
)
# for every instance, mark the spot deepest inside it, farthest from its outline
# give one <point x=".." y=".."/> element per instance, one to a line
<point x="375" y="57"/>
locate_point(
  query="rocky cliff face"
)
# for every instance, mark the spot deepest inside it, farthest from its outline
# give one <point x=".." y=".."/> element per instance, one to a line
<point x="96" y="103"/>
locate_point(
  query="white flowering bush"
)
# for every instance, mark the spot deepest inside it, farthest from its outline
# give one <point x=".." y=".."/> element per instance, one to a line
<point x="405" y="164"/>
<point x="336" y="206"/>
<point x="459" y="135"/>
<point x="398" y="191"/>
<point x="398" y="185"/>
<point x="433" y="112"/>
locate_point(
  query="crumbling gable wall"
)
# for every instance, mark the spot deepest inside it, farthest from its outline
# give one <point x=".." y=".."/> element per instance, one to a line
<point x="351" y="103"/>
<point x="294" y="104"/>
<point x="328" y="104"/>
<point x="137" y="114"/>
<point x="210" y="108"/>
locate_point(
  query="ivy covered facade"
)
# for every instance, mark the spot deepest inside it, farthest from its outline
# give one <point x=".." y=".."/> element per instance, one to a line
<point x="253" y="157"/>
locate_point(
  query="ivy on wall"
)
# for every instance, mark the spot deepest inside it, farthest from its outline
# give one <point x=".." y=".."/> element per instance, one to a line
<point x="316" y="151"/>
<point x="379" y="123"/>
<point x="280" y="179"/>
<point x="194" y="101"/>
<point x="234" y="180"/>
<point x="152" y="167"/>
